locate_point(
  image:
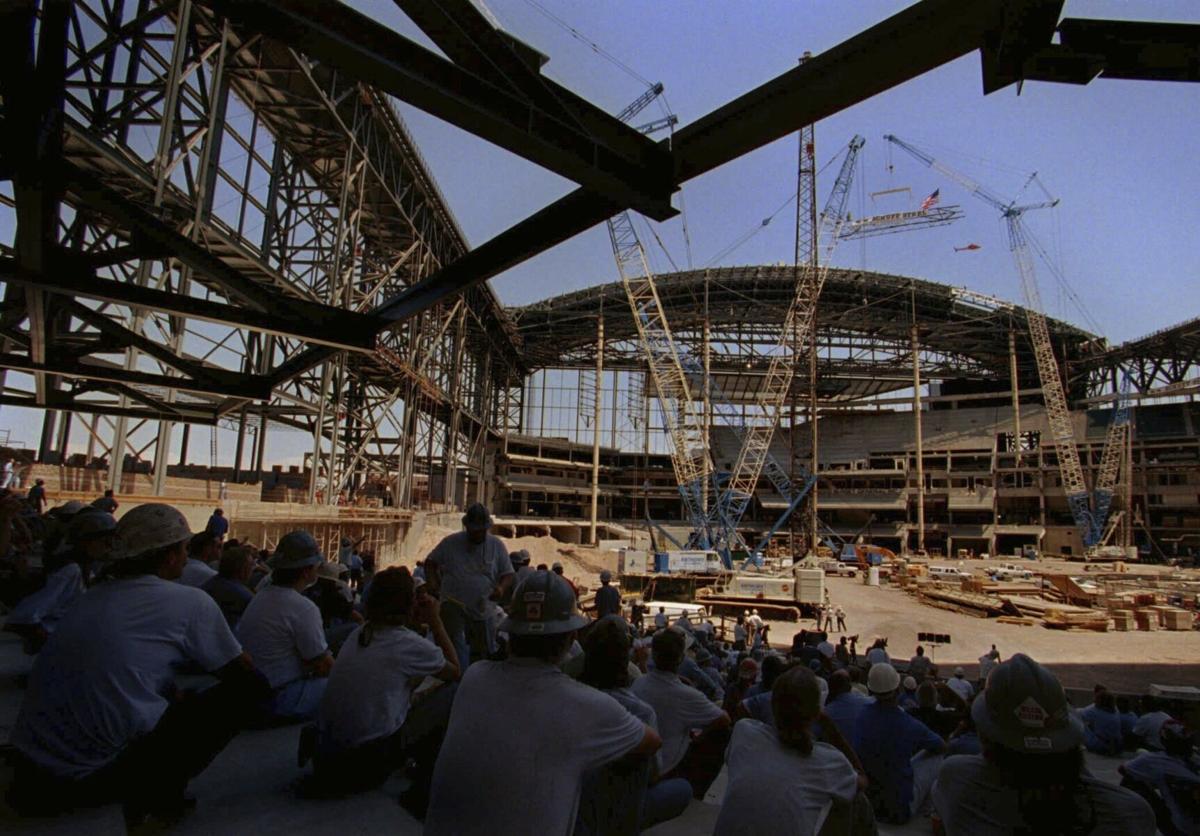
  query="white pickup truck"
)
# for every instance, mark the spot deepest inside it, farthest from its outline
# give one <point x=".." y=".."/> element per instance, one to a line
<point x="1011" y="572"/>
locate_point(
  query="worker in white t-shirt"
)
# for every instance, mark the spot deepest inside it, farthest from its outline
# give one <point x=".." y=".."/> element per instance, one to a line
<point x="283" y="633"/>
<point x="780" y="779"/>
<point x="89" y="538"/>
<point x="203" y="550"/>
<point x="469" y="571"/>
<point x="681" y="710"/>
<point x="522" y="733"/>
<point x="368" y="725"/>
<point x="960" y="685"/>
<point x="101" y="720"/>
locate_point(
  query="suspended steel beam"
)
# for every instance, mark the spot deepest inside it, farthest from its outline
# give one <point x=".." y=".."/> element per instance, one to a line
<point x="308" y="321"/>
<point x="245" y="386"/>
<point x="623" y="165"/>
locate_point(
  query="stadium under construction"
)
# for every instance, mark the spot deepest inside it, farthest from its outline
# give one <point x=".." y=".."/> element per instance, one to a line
<point x="217" y="220"/>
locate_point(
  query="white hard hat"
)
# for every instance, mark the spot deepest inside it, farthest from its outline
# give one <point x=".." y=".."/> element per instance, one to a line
<point x="883" y="679"/>
<point x="149" y="527"/>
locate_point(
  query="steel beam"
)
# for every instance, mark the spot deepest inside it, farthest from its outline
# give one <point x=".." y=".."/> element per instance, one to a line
<point x="632" y="170"/>
<point x="243" y="386"/>
<point x="308" y="321"/>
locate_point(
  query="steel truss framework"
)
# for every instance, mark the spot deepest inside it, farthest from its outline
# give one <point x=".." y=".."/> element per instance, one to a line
<point x="863" y="346"/>
<point x="1164" y="361"/>
<point x="291" y="201"/>
<point x="219" y="218"/>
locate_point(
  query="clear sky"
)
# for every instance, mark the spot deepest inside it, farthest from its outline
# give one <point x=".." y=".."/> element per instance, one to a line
<point x="1120" y="155"/>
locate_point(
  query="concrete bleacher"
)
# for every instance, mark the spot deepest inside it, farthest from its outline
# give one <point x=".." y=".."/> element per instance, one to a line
<point x="252" y="786"/>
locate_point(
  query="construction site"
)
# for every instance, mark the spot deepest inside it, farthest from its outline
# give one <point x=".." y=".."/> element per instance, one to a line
<point x="240" y="243"/>
<point x="232" y="280"/>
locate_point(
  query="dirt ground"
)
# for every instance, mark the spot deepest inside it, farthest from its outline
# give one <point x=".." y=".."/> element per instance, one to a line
<point x="580" y="564"/>
<point x="1123" y="661"/>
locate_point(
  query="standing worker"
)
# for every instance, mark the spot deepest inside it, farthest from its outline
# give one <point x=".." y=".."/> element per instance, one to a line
<point x="608" y="597"/>
<point x="468" y="570"/>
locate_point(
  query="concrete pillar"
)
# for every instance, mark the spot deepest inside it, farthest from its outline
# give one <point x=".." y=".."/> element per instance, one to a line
<point x="1016" y="400"/>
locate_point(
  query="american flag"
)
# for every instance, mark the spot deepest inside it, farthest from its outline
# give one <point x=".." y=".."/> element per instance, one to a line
<point x="931" y="201"/>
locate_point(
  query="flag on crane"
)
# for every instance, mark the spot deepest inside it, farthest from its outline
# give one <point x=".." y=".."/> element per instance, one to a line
<point x="931" y="201"/>
<point x="967" y="248"/>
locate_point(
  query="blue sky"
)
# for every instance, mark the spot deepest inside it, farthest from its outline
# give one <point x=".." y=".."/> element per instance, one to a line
<point x="1120" y="156"/>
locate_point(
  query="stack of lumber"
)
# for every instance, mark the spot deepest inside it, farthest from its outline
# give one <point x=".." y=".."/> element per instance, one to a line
<point x="1146" y="619"/>
<point x="1123" y="621"/>
<point x="1177" y="619"/>
<point x="967" y="603"/>
<point x="1068" y="618"/>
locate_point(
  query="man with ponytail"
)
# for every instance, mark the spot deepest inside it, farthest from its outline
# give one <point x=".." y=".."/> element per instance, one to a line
<point x="780" y="779"/>
<point x="368" y="724"/>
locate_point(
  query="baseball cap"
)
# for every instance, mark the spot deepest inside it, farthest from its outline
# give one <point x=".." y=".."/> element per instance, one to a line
<point x="333" y="570"/>
<point x="557" y="567"/>
<point x="882" y="679"/>
<point x="297" y="550"/>
<point x="520" y="557"/>
<point x="826" y="649"/>
<point x="543" y="605"/>
<point x="1024" y="708"/>
<point x="147" y="528"/>
<point x="477" y="517"/>
<point x="90" y="524"/>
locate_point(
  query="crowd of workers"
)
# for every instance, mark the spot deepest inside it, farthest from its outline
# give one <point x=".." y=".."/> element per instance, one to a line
<point x="510" y="711"/>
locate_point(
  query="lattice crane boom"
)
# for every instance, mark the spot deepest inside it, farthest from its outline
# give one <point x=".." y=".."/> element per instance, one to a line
<point x="1110" y="464"/>
<point x="1054" y="396"/>
<point x="794" y="338"/>
<point x="689" y="450"/>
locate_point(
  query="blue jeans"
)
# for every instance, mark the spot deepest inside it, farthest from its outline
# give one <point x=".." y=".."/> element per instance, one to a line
<point x="298" y="700"/>
<point x="664" y="801"/>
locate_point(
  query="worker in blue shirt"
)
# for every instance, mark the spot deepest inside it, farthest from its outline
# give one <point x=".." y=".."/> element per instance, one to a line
<point x="900" y="754"/>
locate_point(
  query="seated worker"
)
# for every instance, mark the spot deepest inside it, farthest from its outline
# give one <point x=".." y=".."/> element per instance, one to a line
<point x="844" y="704"/>
<point x="681" y="709"/>
<point x="523" y="734"/>
<point x="101" y="720"/>
<point x="1147" y="727"/>
<point x="757" y="704"/>
<point x="89" y="539"/>
<point x="368" y="724"/>
<point x="1031" y="777"/>
<point x="1102" y="724"/>
<point x="334" y="598"/>
<point x="1169" y="781"/>
<point x="900" y="754"/>
<point x="607" y="651"/>
<point x="282" y="631"/>
<point x="230" y="587"/>
<point x="203" y="550"/>
<point x="780" y="780"/>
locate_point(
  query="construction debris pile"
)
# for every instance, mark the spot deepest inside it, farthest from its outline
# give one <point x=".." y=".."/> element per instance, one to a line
<point x="1116" y="600"/>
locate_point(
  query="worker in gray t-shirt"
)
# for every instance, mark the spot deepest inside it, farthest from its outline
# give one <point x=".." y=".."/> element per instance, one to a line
<point x="469" y="571"/>
<point x="1031" y="777"/>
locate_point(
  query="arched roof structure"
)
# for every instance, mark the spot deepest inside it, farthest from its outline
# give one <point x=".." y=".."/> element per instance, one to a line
<point x="864" y="328"/>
